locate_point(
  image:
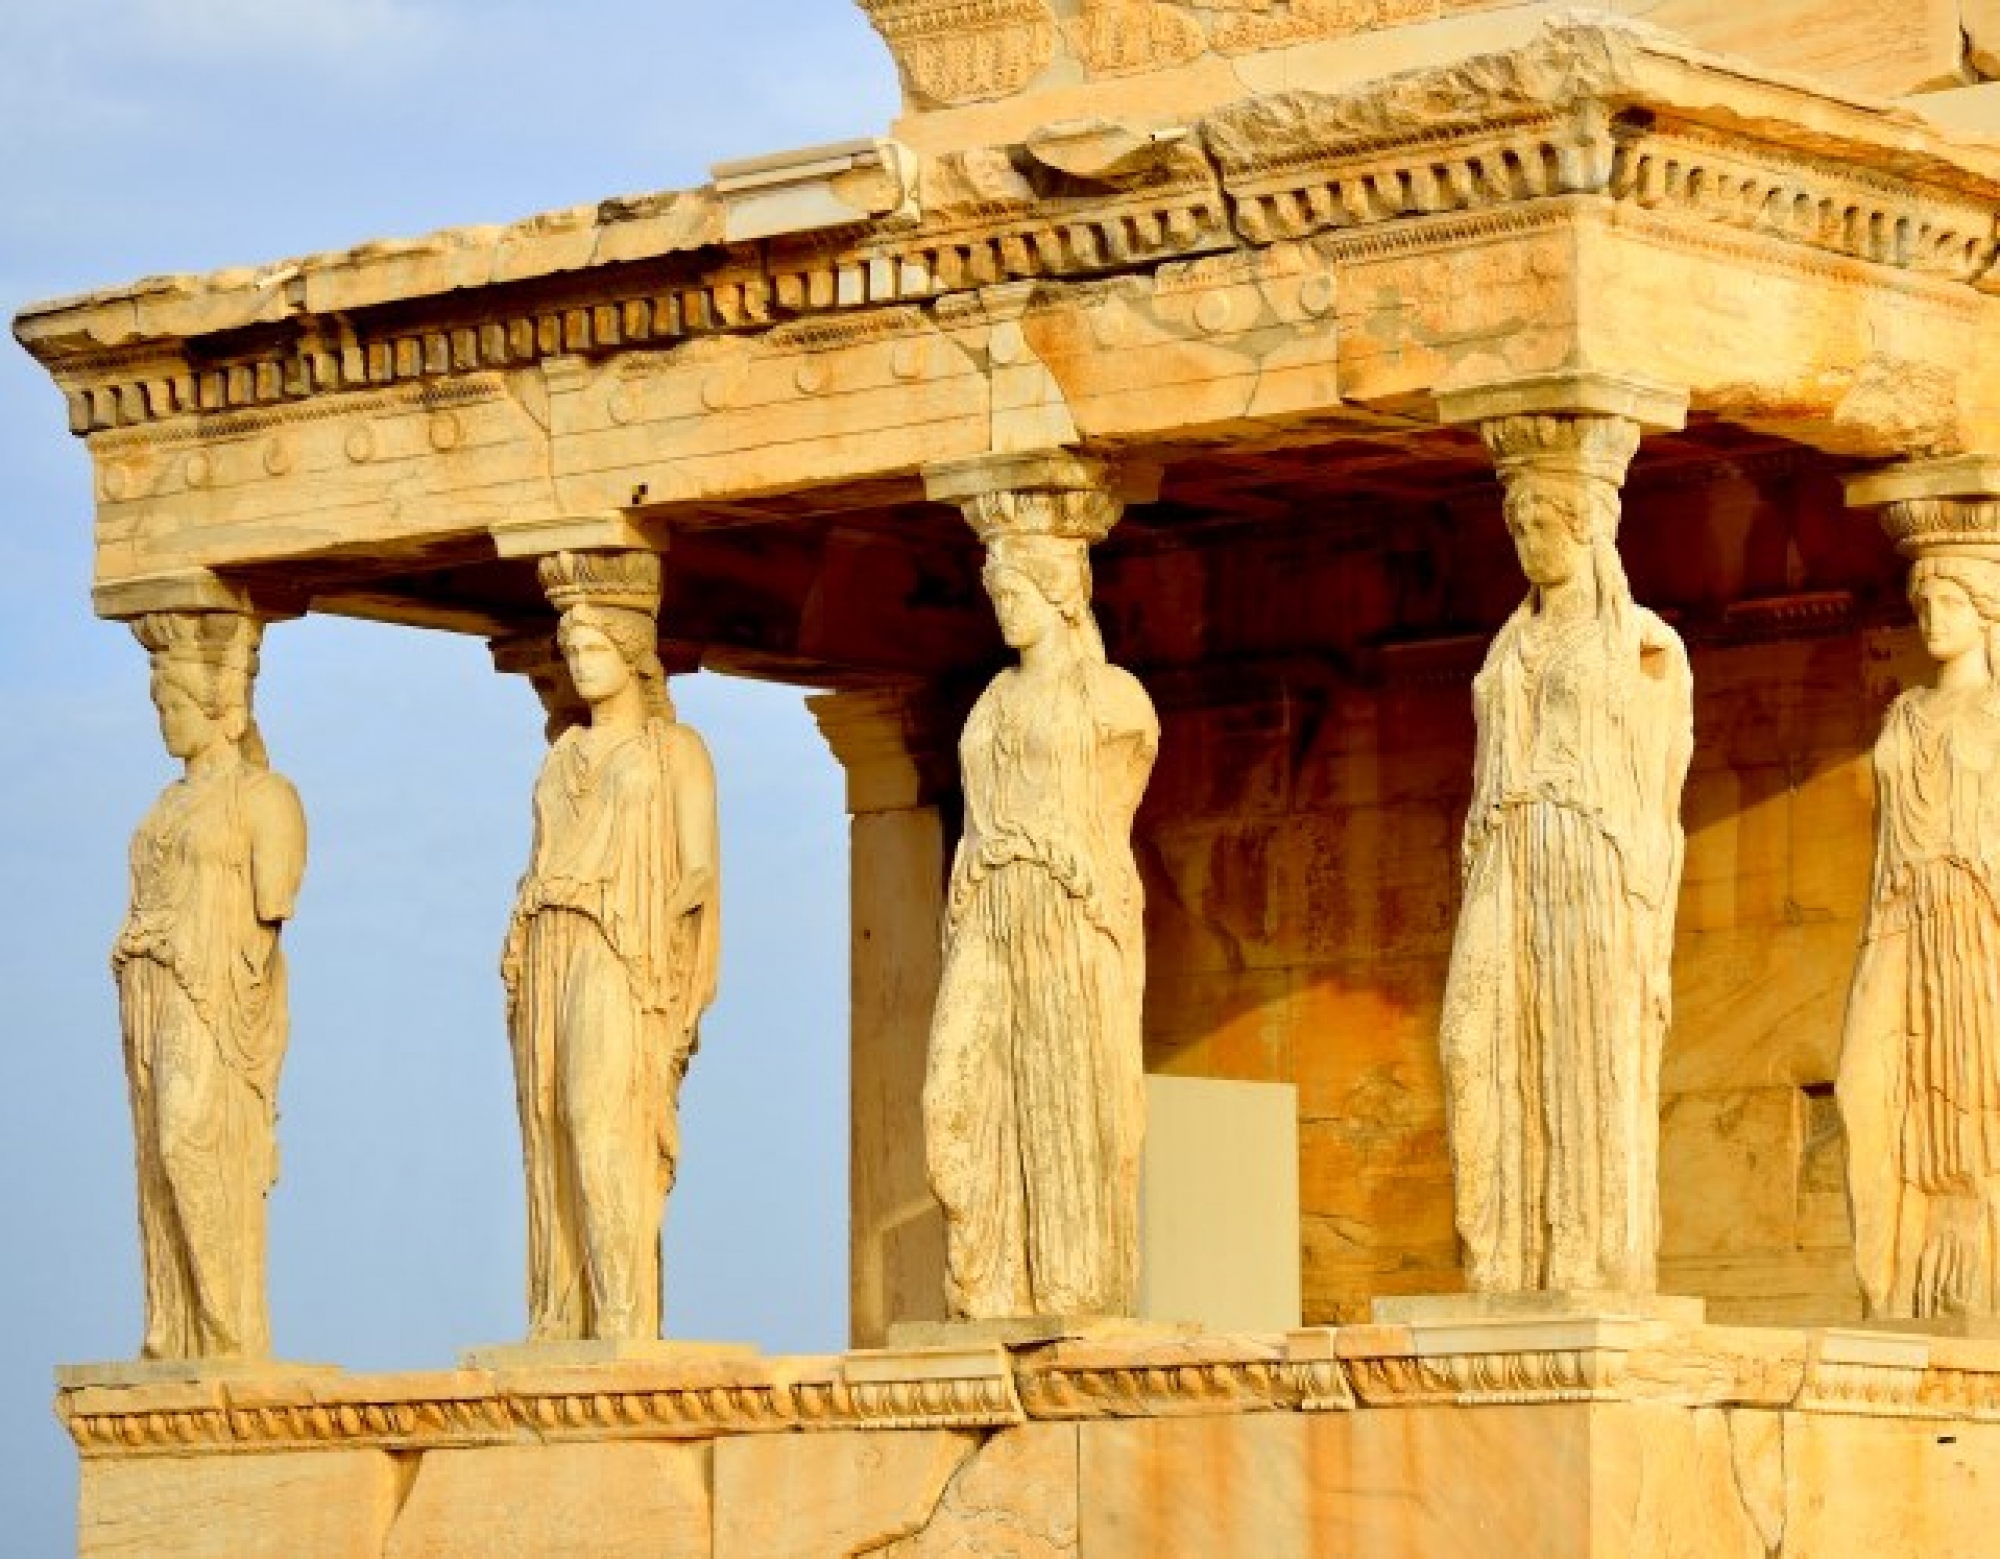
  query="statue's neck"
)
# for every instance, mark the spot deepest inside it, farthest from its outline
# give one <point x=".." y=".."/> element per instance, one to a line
<point x="1575" y="598"/>
<point x="622" y="713"/>
<point x="1963" y="673"/>
<point x="213" y="762"/>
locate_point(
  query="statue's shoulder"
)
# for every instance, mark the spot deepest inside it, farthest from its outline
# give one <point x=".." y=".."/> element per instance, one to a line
<point x="1655" y="632"/>
<point x="1661" y="652"/>
<point x="682" y="743"/>
<point x="268" y="790"/>
<point x="1122" y="700"/>
<point x="271" y="809"/>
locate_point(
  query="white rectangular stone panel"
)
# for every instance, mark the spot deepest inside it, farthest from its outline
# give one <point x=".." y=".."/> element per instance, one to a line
<point x="1219" y="1204"/>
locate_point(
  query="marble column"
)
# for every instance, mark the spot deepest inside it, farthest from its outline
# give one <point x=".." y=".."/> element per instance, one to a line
<point x="895" y="746"/>
<point x="612" y="954"/>
<point x="1034" y="1091"/>
<point x="216" y="867"/>
<point x="1919" y="1082"/>
<point x="1558" y="998"/>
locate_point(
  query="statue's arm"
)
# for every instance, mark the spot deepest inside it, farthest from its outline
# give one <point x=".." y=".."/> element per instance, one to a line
<point x="1127" y="725"/>
<point x="697" y="832"/>
<point x="1677" y="716"/>
<point x="277" y="824"/>
<point x="1666" y="704"/>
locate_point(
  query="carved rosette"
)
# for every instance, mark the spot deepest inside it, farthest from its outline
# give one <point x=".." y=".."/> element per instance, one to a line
<point x="1124" y="37"/>
<point x="964" y="51"/>
<point x="1244" y="28"/>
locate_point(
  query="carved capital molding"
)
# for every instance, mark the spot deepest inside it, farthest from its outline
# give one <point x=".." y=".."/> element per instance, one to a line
<point x="1939" y="527"/>
<point x="1043" y="493"/>
<point x="1561" y="444"/>
<point x="1932" y="508"/>
<point x="622" y="579"/>
<point x="1569" y="426"/>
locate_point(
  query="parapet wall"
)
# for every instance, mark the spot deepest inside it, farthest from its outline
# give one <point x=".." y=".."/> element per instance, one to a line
<point x="1553" y="1438"/>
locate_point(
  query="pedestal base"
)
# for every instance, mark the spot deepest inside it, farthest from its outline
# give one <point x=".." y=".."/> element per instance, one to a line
<point x="1028" y="1331"/>
<point x="158" y="1372"/>
<point x="1539" y="1304"/>
<point x="593" y="1350"/>
<point x="1581" y="1437"/>
<point x="1984" y="1328"/>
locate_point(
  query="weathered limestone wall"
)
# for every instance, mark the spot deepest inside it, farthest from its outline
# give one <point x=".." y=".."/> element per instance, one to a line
<point x="1301" y="847"/>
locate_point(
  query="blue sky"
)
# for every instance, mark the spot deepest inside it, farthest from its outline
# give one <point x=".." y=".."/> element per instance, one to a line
<point x="145" y="136"/>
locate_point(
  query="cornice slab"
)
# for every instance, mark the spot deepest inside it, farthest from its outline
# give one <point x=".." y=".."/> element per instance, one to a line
<point x="193" y="590"/>
<point x="536" y="536"/>
<point x="1956" y="476"/>
<point x="1657" y="408"/>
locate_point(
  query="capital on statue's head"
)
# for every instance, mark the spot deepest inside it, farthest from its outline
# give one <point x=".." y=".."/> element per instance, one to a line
<point x="627" y="580"/>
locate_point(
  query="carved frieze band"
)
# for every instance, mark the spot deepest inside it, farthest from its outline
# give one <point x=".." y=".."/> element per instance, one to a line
<point x="1362" y="1368"/>
<point x="474" y="1408"/>
<point x="1155" y="1388"/>
<point x="1057" y="239"/>
<point x="1816" y="205"/>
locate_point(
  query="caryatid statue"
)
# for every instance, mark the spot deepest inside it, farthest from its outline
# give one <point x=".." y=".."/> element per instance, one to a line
<point x="1557" y="1001"/>
<point x="1034" y="1095"/>
<point x="610" y="960"/>
<point x="1919" y="1086"/>
<point x="216" y="867"/>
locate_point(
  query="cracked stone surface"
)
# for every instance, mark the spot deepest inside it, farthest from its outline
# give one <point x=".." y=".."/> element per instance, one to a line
<point x="833" y="1493"/>
<point x="591" y="1501"/>
<point x="1015" y="1498"/>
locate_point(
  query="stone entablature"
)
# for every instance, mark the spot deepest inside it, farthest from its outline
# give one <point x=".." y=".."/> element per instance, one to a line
<point x="1525" y="207"/>
<point x="1594" y="110"/>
